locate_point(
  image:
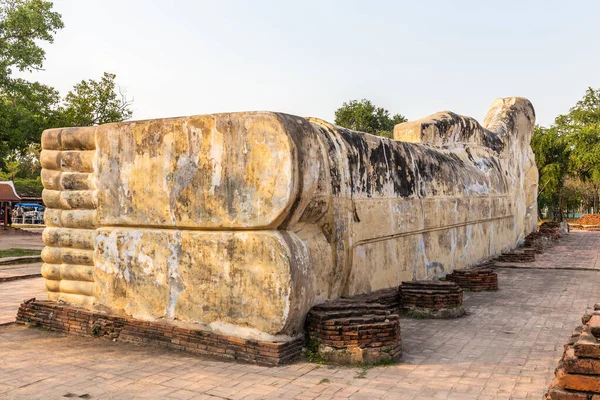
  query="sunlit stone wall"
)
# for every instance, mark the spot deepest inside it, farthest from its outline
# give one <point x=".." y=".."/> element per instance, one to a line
<point x="242" y="221"/>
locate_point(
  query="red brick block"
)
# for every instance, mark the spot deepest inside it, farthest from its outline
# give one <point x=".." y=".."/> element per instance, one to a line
<point x="562" y="394"/>
<point x="579" y="365"/>
<point x="594" y="324"/>
<point x="583" y="383"/>
<point x="587" y="345"/>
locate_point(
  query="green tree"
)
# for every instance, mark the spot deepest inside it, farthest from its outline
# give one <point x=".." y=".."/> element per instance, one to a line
<point x="28" y="108"/>
<point x="582" y="128"/>
<point x="583" y="195"/>
<point x="24" y="106"/>
<point x="12" y="167"/>
<point x="96" y="102"/>
<point x="552" y="152"/>
<point x="23" y="24"/>
<point x="364" y="116"/>
<point x="568" y="156"/>
<point x="24" y="170"/>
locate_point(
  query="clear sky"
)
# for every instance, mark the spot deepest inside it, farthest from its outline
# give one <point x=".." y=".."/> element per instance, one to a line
<point x="308" y="57"/>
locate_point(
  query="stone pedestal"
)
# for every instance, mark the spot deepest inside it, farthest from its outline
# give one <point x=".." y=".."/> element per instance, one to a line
<point x="475" y="280"/>
<point x="517" y="256"/>
<point x="538" y="241"/>
<point x="361" y="329"/>
<point x="431" y="299"/>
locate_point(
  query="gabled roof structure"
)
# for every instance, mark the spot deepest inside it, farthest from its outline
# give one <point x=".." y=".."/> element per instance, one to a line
<point x="8" y="192"/>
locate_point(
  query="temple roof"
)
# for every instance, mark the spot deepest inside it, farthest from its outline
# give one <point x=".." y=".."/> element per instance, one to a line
<point x="8" y="191"/>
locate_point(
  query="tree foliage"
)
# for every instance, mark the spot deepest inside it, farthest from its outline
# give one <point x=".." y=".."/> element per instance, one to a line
<point x="24" y="106"/>
<point x="568" y="155"/>
<point x="28" y="108"/>
<point x="23" y="24"/>
<point x="364" y="116"/>
<point x="582" y="126"/>
<point x="552" y="153"/>
<point x="96" y="102"/>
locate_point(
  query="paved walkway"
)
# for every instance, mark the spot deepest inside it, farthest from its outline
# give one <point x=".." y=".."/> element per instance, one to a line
<point x="506" y="347"/>
<point x="16" y="270"/>
<point x="13" y="293"/>
<point x="577" y="250"/>
<point x="21" y="239"/>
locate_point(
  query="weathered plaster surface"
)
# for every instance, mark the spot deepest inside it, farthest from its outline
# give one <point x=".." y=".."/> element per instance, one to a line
<point x="243" y="221"/>
<point x="211" y="172"/>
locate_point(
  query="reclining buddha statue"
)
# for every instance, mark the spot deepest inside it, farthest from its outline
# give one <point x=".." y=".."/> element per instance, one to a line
<point x="241" y="222"/>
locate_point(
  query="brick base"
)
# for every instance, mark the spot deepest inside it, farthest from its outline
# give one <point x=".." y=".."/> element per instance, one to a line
<point x="360" y="329"/>
<point x="578" y="374"/>
<point x="547" y="235"/>
<point x="475" y="280"/>
<point x="517" y="256"/>
<point x="431" y="294"/>
<point x="77" y="321"/>
<point x="537" y="241"/>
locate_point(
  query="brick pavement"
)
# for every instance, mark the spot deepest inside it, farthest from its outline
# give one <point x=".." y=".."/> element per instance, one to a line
<point x="577" y="250"/>
<point x="7" y="271"/>
<point x="506" y="347"/>
<point x="14" y="292"/>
